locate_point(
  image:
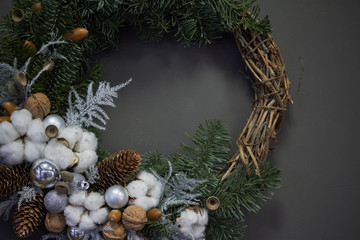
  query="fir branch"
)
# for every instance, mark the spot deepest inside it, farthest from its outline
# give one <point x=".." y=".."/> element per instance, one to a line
<point x="84" y="113"/>
<point x="26" y="194"/>
<point x="92" y="174"/>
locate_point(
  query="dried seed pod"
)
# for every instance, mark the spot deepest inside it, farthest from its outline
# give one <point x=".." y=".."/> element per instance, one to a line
<point x="51" y="131"/>
<point x="154" y="214"/>
<point x="20" y="79"/>
<point x="5" y="118"/>
<point x="29" y="47"/>
<point x="67" y="176"/>
<point x="37" y="7"/>
<point x="64" y="142"/>
<point x="55" y="222"/>
<point x="212" y="203"/>
<point x="17" y="15"/>
<point x="9" y="107"/>
<point x="134" y="218"/>
<point x="114" y="215"/>
<point x="62" y="187"/>
<point x="117" y="232"/>
<point x="49" y="65"/>
<point x="38" y="104"/>
<point x="76" y="34"/>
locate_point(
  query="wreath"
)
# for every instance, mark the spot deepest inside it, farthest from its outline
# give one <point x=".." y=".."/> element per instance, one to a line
<point x="54" y="171"/>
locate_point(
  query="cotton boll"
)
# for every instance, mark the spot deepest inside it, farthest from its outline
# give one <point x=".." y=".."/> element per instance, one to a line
<point x="156" y="191"/>
<point x="73" y="214"/>
<point x="8" y="133"/>
<point x="148" y="178"/>
<point x="137" y="189"/>
<point x="33" y="150"/>
<point x="203" y="217"/>
<point x="86" y="160"/>
<point x="36" y="131"/>
<point x="78" y="198"/>
<point x="59" y="154"/>
<point x="94" y="201"/>
<point x="88" y="141"/>
<point x="99" y="216"/>
<point x="198" y="231"/>
<point x="72" y="134"/>
<point x="86" y="223"/>
<point x="13" y="153"/>
<point x="144" y="202"/>
<point x="186" y="230"/>
<point x="21" y="120"/>
<point x="188" y="217"/>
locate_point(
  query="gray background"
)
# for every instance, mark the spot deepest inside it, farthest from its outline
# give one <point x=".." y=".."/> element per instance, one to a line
<point x="176" y="88"/>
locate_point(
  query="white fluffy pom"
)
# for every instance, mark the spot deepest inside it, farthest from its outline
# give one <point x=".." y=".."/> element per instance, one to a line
<point x="59" y="154"/>
<point x="73" y="214"/>
<point x="198" y="231"/>
<point x="21" y="120"/>
<point x="86" y="223"/>
<point x="72" y="134"/>
<point x="148" y="178"/>
<point x="94" y="201"/>
<point x="36" y="131"/>
<point x="144" y="202"/>
<point x="86" y="160"/>
<point x="156" y="191"/>
<point x="78" y="198"/>
<point x="88" y="141"/>
<point x="186" y="230"/>
<point x="203" y="217"/>
<point x="8" y="133"/>
<point x="99" y="216"/>
<point x="13" y="153"/>
<point x="188" y="218"/>
<point x="33" y="150"/>
<point x="137" y="188"/>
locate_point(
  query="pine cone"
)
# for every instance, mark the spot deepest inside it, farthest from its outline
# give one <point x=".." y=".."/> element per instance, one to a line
<point x="117" y="169"/>
<point x="13" y="178"/>
<point x="28" y="218"/>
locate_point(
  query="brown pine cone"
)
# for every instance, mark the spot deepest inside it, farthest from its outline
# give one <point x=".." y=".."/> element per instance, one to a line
<point x="28" y="218"/>
<point x="13" y="179"/>
<point x="117" y="169"/>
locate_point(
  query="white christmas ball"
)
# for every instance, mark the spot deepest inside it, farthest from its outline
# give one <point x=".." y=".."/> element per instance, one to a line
<point x="116" y="196"/>
<point x="54" y="119"/>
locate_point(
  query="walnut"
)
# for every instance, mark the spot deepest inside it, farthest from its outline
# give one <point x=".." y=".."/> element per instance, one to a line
<point x="134" y="218"/>
<point x="55" y="222"/>
<point x="118" y="231"/>
<point x="38" y="104"/>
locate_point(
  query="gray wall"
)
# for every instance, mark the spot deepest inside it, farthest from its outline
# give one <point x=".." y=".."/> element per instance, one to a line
<point x="176" y="88"/>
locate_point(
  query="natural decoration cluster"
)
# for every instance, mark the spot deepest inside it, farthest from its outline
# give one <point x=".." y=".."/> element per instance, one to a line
<point x="54" y="171"/>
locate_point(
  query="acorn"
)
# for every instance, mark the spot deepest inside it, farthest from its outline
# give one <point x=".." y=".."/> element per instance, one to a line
<point x="38" y="104"/>
<point x="154" y="214"/>
<point x="20" y="79"/>
<point x="114" y="215"/>
<point x="76" y="34"/>
<point x="212" y="203"/>
<point x="117" y="232"/>
<point x="67" y="176"/>
<point x="134" y="218"/>
<point x="9" y="107"/>
<point x="29" y="47"/>
<point x="49" y="65"/>
<point x="62" y="187"/>
<point x="5" y="119"/>
<point x="37" y="7"/>
<point x="51" y="131"/>
<point x="55" y="222"/>
<point x="17" y="15"/>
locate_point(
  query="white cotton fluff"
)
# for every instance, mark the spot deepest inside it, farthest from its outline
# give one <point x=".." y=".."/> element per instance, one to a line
<point x="94" y="201"/>
<point x="33" y="150"/>
<point x="73" y="215"/>
<point x="198" y="231"/>
<point x="203" y="217"/>
<point x="188" y="218"/>
<point x="144" y="202"/>
<point x="148" y="178"/>
<point x="21" y="120"/>
<point x="36" y="131"/>
<point x="72" y="134"/>
<point x="13" y="153"/>
<point x="88" y="141"/>
<point x="99" y="216"/>
<point x="78" y="198"/>
<point x="86" y="160"/>
<point x="186" y="230"/>
<point x="156" y="191"/>
<point x="59" y="154"/>
<point x="86" y="223"/>
<point x="8" y="133"/>
<point x="137" y="189"/>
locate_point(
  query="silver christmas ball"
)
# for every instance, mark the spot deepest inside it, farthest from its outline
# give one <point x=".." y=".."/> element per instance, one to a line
<point x="44" y="174"/>
<point x="75" y="233"/>
<point x="75" y="184"/>
<point x="54" y="119"/>
<point x="84" y="185"/>
<point x="116" y="196"/>
<point x="55" y="202"/>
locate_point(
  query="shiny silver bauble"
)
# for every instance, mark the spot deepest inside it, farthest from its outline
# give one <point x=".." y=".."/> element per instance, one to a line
<point x="76" y="183"/>
<point x="75" y="233"/>
<point x="44" y="174"/>
<point x="116" y="196"/>
<point x="54" y="119"/>
<point x="55" y="202"/>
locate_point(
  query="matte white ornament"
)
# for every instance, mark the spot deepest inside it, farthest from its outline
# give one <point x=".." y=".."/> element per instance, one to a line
<point x="116" y="196"/>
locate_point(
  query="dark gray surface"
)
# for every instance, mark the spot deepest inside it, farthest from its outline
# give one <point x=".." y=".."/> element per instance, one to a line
<point x="174" y="89"/>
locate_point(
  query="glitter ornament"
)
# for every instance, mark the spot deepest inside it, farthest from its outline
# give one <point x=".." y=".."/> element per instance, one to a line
<point x="54" y="119"/>
<point x="44" y="174"/>
<point x="55" y="202"/>
<point x="116" y="196"/>
<point x="75" y="233"/>
<point x="75" y="184"/>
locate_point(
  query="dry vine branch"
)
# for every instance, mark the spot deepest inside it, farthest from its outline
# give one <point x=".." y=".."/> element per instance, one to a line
<point x="271" y="85"/>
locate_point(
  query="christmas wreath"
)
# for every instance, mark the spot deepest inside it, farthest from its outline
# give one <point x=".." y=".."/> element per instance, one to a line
<point x="54" y="172"/>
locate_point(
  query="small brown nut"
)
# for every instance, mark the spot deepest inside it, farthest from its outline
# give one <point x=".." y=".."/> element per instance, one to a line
<point x="114" y="215"/>
<point x="66" y="176"/>
<point x="55" y="222"/>
<point x="154" y="214"/>
<point x="118" y="231"/>
<point x="5" y="119"/>
<point x="38" y="104"/>
<point x="37" y="7"/>
<point x="212" y="203"/>
<point x="9" y="107"/>
<point x="134" y="218"/>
